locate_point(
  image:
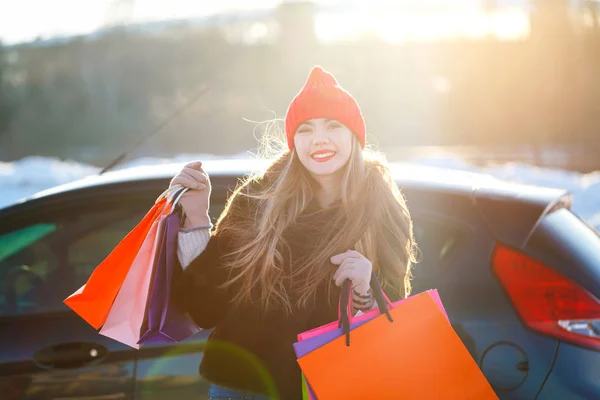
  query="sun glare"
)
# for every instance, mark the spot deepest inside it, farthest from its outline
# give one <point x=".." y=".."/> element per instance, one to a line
<point x="507" y="24"/>
<point x="393" y="21"/>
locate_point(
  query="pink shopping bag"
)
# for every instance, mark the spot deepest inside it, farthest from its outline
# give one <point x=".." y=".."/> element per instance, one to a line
<point x="366" y="316"/>
<point x="126" y="315"/>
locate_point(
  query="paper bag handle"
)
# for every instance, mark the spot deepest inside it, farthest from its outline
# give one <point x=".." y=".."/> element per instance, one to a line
<point x="383" y="303"/>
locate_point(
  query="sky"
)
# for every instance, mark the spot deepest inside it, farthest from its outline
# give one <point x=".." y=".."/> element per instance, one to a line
<point x="25" y="20"/>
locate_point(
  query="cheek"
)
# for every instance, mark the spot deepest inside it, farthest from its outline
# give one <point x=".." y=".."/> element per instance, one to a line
<point x="346" y="146"/>
<point x="301" y="146"/>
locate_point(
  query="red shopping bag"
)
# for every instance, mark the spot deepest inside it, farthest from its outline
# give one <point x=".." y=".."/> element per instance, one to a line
<point x="409" y="351"/>
<point x="93" y="301"/>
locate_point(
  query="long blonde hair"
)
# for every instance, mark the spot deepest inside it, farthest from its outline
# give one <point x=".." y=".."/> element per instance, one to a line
<point x="374" y="221"/>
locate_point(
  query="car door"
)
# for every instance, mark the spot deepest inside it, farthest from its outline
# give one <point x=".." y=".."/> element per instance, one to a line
<point x="46" y="253"/>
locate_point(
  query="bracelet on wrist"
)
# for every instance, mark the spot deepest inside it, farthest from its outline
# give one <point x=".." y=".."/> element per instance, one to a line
<point x="367" y="296"/>
<point x="196" y="228"/>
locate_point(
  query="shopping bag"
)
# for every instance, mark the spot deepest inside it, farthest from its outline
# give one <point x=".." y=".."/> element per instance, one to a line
<point x="93" y="301"/>
<point x="165" y="323"/>
<point x="366" y="316"/>
<point x="409" y="351"/>
<point x="305" y="390"/>
<point x="126" y="315"/>
<point x="315" y="338"/>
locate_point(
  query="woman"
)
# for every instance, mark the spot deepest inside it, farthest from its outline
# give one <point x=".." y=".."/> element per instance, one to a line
<point x="322" y="213"/>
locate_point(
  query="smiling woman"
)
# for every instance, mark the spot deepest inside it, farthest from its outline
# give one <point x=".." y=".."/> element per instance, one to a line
<point x="324" y="213"/>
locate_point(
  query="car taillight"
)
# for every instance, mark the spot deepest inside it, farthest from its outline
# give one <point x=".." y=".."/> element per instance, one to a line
<point x="547" y="301"/>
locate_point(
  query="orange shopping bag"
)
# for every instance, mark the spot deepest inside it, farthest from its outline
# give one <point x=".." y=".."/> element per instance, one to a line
<point x="93" y="301"/>
<point x="411" y="352"/>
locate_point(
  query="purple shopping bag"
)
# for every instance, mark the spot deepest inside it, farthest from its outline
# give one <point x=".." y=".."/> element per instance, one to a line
<point x="165" y="323"/>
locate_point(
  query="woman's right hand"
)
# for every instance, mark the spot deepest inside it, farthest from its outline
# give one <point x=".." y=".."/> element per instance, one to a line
<point x="196" y="201"/>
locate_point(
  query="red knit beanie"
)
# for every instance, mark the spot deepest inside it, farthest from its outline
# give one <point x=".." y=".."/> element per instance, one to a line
<point x="323" y="97"/>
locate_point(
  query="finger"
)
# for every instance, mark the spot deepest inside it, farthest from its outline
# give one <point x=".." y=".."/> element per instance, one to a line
<point x="187" y="182"/>
<point x="201" y="187"/>
<point x="196" y="174"/>
<point x="190" y="194"/>
<point x="338" y="258"/>
<point x="354" y="253"/>
<point x="343" y="276"/>
<point x="197" y="165"/>
<point x="183" y="175"/>
<point x="205" y="175"/>
<point x="344" y="267"/>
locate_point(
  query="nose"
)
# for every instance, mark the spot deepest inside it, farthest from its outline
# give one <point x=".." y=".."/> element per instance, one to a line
<point x="321" y="141"/>
<point x="320" y="136"/>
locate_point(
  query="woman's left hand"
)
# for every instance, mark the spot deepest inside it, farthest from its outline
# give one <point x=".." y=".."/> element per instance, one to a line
<point x="353" y="266"/>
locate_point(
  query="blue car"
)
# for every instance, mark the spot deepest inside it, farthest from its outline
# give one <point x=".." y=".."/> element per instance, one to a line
<point x="517" y="271"/>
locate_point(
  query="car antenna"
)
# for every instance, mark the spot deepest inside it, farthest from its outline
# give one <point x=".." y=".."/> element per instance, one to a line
<point x="156" y="129"/>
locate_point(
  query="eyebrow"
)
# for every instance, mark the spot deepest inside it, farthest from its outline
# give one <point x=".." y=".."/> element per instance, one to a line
<point x="310" y="123"/>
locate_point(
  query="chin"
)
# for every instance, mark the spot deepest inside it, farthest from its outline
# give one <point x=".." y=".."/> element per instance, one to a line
<point x="325" y="170"/>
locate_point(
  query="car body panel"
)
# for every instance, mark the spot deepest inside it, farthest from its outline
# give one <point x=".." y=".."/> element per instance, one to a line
<point x="574" y="376"/>
<point x="458" y="209"/>
<point x="515" y="360"/>
<point x="21" y="378"/>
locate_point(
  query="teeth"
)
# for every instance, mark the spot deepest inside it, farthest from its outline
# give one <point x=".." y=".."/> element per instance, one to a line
<point x="323" y="155"/>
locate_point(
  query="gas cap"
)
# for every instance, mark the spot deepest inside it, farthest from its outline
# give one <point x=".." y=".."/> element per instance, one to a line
<point x="505" y="365"/>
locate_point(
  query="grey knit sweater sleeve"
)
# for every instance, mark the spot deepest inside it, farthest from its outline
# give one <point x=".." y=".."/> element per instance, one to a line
<point x="190" y="243"/>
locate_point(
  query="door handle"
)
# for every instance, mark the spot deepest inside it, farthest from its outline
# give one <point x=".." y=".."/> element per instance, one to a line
<point x="70" y="355"/>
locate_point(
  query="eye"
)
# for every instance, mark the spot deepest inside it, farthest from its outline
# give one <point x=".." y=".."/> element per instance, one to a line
<point x="334" y="125"/>
<point x="304" y="130"/>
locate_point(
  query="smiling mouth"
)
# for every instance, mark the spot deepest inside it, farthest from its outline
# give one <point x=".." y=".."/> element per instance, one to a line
<point x="323" y="156"/>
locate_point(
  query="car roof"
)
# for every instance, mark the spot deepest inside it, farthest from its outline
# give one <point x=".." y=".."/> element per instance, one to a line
<point x="498" y="201"/>
<point x="407" y="175"/>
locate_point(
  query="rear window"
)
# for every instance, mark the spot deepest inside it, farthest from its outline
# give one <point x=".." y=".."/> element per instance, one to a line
<point x="571" y="246"/>
<point x="568" y="229"/>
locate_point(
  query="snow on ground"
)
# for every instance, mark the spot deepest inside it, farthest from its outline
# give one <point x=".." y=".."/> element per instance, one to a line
<point x="32" y="174"/>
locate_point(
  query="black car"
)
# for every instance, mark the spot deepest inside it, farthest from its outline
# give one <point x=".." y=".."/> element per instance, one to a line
<point x="517" y="271"/>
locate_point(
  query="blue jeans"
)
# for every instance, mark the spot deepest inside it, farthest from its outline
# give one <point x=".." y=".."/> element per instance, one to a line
<point x="220" y="393"/>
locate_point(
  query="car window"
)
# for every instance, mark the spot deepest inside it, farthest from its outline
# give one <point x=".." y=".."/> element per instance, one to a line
<point x="41" y="264"/>
<point x="438" y="240"/>
<point x="85" y="253"/>
<point x="26" y="260"/>
<point x="567" y="239"/>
